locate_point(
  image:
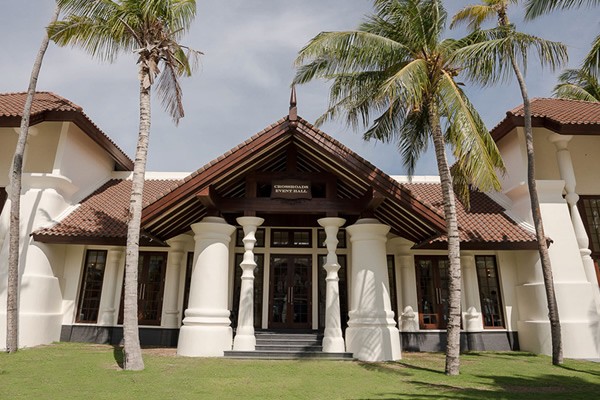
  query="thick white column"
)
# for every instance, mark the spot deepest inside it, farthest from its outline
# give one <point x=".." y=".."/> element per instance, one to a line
<point x="109" y="287"/>
<point x="244" y="334"/>
<point x="472" y="319"/>
<point x="206" y="330"/>
<point x="333" y="342"/>
<point x="372" y="334"/>
<point x="171" y="296"/>
<point x="567" y="173"/>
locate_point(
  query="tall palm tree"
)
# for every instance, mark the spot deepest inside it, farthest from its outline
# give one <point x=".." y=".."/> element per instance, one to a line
<point x="16" y="174"/>
<point x="535" y="8"/>
<point x="493" y="59"/>
<point x="396" y="71"/>
<point x="577" y="84"/>
<point x="151" y="29"/>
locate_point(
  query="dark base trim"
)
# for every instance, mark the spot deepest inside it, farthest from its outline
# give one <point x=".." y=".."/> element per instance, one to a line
<point x="411" y="341"/>
<point x="113" y="335"/>
<point x="469" y="341"/>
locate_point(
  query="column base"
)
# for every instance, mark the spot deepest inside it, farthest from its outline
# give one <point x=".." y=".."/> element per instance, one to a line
<point x="204" y="341"/>
<point x="244" y="343"/>
<point x="374" y="343"/>
<point x="334" y="343"/>
<point x="580" y="339"/>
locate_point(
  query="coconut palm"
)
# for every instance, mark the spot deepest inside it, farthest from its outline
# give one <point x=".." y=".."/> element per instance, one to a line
<point x="577" y="84"/>
<point x="396" y="76"/>
<point x="493" y="59"/>
<point x="535" y="8"/>
<point x="151" y="29"/>
<point x="16" y="174"/>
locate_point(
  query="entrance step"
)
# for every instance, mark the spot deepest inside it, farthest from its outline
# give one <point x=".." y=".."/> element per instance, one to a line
<point x="272" y="345"/>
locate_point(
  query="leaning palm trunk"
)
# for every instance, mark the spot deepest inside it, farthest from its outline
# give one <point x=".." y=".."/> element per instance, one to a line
<point x="557" y="356"/>
<point x="132" y="352"/>
<point x="12" y="290"/>
<point x="454" y="283"/>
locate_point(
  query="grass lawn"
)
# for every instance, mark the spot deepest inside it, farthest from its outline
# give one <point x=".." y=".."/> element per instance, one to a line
<point x="85" y="371"/>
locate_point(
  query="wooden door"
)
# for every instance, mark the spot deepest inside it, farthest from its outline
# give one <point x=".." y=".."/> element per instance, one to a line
<point x="290" y="292"/>
<point x="432" y="291"/>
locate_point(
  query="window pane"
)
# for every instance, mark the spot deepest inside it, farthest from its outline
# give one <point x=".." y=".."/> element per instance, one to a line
<point x="259" y="235"/>
<point x="489" y="292"/>
<point x="341" y="236"/>
<point x="91" y="286"/>
<point x="392" y="281"/>
<point x="291" y="238"/>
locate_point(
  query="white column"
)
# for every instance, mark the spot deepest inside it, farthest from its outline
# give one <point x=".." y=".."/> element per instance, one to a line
<point x="244" y="334"/>
<point x="408" y="321"/>
<point x="206" y="330"/>
<point x="333" y="342"/>
<point x="109" y="287"/>
<point x="372" y="334"/>
<point x="472" y="320"/>
<point x="171" y="297"/>
<point x="565" y="166"/>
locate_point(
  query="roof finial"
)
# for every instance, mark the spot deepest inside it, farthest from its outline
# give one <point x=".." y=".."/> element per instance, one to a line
<point x="293" y="116"/>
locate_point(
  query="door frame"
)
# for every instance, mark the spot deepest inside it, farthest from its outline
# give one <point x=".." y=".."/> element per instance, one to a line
<point x="438" y="299"/>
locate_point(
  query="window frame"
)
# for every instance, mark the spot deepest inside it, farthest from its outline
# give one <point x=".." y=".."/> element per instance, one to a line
<point x="83" y="289"/>
<point x="500" y="302"/>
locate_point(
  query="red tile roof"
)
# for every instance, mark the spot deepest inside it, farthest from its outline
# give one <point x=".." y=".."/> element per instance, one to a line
<point x="101" y="218"/>
<point x="48" y="106"/>
<point x="483" y="225"/>
<point x="569" y="117"/>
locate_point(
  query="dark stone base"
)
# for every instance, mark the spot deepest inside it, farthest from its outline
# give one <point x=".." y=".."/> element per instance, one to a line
<point x="469" y="341"/>
<point x="113" y="335"/>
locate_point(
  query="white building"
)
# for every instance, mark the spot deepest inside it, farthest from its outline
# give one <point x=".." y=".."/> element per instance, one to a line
<point x="292" y="231"/>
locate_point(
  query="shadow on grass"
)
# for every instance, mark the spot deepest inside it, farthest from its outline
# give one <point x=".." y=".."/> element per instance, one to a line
<point x="118" y="355"/>
<point x="583" y="371"/>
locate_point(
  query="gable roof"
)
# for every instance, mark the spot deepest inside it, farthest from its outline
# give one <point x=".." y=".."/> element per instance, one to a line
<point x="101" y="218"/>
<point x="563" y="116"/>
<point x="48" y="106"/>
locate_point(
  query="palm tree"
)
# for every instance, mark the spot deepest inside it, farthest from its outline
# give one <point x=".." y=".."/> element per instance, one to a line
<point x="492" y="59"/>
<point x="577" y="84"/>
<point x="535" y="8"/>
<point x="16" y="174"/>
<point x="151" y="29"/>
<point x="397" y="71"/>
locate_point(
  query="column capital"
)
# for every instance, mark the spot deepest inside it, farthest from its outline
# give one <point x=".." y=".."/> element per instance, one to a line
<point x="368" y="229"/>
<point x="250" y="222"/>
<point x="212" y="226"/>
<point x="331" y="221"/>
<point x="560" y="141"/>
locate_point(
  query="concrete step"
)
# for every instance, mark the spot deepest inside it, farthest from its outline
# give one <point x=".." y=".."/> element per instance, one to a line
<point x="288" y="355"/>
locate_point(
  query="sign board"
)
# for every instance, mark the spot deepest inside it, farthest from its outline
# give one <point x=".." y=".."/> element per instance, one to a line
<point x="291" y="189"/>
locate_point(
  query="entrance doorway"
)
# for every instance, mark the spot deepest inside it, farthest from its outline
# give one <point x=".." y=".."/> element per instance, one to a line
<point x="290" y="292"/>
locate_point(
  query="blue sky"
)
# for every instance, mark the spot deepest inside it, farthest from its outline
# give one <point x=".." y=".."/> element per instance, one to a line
<point x="242" y="84"/>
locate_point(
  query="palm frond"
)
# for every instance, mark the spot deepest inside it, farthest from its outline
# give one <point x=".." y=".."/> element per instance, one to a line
<point x="592" y="60"/>
<point x="535" y="8"/>
<point x="473" y="15"/>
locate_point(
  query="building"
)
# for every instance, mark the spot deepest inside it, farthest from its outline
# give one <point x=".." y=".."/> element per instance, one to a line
<point x="292" y="230"/>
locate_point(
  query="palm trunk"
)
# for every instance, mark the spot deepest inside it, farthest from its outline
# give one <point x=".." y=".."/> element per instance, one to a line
<point x="557" y="356"/>
<point x="12" y="290"/>
<point x="132" y="352"/>
<point x="454" y="282"/>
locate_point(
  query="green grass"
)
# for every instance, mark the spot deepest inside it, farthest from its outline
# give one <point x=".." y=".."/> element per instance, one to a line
<point x="84" y="371"/>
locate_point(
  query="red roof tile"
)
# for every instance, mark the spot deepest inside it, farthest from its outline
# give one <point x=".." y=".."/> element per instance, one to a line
<point x="102" y="217"/>
<point x="569" y="117"/>
<point x="483" y="224"/>
<point x="48" y="106"/>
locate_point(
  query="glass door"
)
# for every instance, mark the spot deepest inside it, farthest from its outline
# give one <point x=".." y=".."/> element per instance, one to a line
<point x="432" y="291"/>
<point x="290" y="292"/>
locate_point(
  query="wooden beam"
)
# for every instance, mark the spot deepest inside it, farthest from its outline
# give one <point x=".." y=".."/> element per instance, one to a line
<point x="267" y="205"/>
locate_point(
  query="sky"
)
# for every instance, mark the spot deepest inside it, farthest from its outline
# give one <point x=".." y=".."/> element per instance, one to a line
<point x="243" y="81"/>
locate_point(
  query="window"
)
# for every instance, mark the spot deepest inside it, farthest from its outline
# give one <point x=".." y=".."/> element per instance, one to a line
<point x="260" y="237"/>
<point x="432" y="291"/>
<point x="291" y="238"/>
<point x="188" y="281"/>
<point x="343" y="290"/>
<point x="391" y="265"/>
<point x="259" y="259"/>
<point x="489" y="291"/>
<point x="91" y="286"/>
<point x="341" y="237"/>
<point x="589" y="207"/>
